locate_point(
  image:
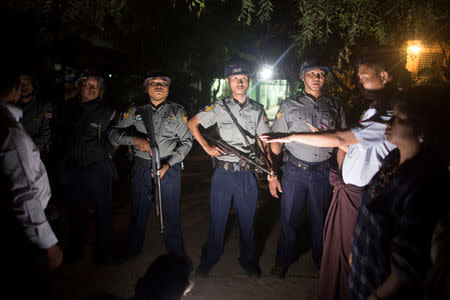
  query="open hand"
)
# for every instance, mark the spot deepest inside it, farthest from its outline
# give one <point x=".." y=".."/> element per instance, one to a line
<point x="274" y="186"/>
<point x="276" y="137"/>
<point x="54" y="257"/>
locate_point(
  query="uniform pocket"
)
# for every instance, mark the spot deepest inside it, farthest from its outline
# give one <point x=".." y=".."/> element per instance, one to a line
<point x="167" y="128"/>
<point x="227" y="131"/>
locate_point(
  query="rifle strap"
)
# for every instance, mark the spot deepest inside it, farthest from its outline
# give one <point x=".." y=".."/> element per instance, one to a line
<point x="258" y="147"/>
<point x="239" y="127"/>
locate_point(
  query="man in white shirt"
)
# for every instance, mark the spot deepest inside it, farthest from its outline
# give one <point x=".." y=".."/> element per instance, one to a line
<point x="24" y="181"/>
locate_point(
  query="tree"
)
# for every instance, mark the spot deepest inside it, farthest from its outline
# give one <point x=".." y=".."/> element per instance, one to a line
<point x="346" y="24"/>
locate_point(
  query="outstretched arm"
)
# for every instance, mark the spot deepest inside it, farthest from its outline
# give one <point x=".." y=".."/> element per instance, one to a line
<point x="329" y="138"/>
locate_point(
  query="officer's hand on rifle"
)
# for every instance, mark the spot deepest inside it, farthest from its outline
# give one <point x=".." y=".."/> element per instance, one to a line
<point x="274" y="185"/>
<point x="214" y="151"/>
<point x="142" y="144"/>
<point x="163" y="170"/>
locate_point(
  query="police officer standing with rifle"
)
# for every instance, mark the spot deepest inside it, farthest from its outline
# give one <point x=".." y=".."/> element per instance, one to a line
<point x="239" y="120"/>
<point x="159" y="133"/>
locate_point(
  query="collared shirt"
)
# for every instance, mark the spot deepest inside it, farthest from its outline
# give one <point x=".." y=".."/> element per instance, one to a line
<point x="364" y="159"/>
<point x="323" y="113"/>
<point x="27" y="181"/>
<point x="251" y="116"/>
<point x="171" y="131"/>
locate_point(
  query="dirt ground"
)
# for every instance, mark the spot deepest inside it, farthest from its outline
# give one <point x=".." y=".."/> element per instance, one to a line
<point x="227" y="279"/>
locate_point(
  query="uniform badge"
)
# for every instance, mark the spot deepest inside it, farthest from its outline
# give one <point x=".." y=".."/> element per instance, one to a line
<point x="137" y="117"/>
<point x="184" y="116"/>
<point x="170" y="117"/>
<point x="265" y="119"/>
<point x="49" y="115"/>
<point x="124" y="115"/>
<point x="208" y="107"/>
<point x="278" y="115"/>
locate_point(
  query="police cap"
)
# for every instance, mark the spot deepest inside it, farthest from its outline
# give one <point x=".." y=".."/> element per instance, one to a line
<point x="86" y="75"/>
<point x="236" y="67"/>
<point x="149" y="76"/>
<point x="312" y="63"/>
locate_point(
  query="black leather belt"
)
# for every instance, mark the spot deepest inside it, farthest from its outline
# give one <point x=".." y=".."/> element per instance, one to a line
<point x="232" y="166"/>
<point x="307" y="167"/>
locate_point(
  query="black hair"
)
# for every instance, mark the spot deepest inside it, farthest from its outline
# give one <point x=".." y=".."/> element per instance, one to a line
<point x="387" y="60"/>
<point x="9" y="79"/>
<point x="167" y="278"/>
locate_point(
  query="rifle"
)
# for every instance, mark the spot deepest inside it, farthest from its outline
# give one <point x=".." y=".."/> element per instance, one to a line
<point x="228" y="149"/>
<point x="147" y="118"/>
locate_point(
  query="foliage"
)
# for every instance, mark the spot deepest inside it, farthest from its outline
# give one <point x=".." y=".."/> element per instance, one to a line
<point x="346" y="23"/>
<point x="81" y="17"/>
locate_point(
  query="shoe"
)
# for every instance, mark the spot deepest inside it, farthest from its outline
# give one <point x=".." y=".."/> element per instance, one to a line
<point x="252" y="270"/>
<point x="202" y="271"/>
<point x="279" y="271"/>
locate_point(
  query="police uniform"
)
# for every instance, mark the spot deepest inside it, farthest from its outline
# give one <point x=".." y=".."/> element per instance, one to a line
<point x="305" y="171"/>
<point x="36" y="119"/>
<point x="232" y="179"/>
<point x="174" y="141"/>
<point x="88" y="172"/>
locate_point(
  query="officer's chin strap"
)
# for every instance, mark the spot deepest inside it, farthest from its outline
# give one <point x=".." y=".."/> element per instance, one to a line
<point x="306" y="83"/>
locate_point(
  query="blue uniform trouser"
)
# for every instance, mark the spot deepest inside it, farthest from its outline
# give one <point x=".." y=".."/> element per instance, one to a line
<point x="141" y="189"/>
<point x="90" y="186"/>
<point x="243" y="188"/>
<point x="300" y="188"/>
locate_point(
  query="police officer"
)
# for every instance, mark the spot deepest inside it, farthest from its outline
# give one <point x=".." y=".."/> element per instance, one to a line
<point x="85" y="121"/>
<point x="174" y="141"/>
<point x="37" y="114"/>
<point x="306" y="168"/>
<point x="232" y="178"/>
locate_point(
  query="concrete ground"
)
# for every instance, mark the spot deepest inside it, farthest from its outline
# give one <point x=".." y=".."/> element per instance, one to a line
<point x="227" y="280"/>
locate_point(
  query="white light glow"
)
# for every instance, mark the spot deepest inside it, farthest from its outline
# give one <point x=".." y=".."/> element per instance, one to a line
<point x="415" y="49"/>
<point x="266" y="73"/>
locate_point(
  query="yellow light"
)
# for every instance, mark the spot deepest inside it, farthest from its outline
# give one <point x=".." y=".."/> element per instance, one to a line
<point x="414" y="49"/>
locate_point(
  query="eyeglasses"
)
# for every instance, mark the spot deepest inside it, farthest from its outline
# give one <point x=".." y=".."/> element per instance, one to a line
<point x="158" y="83"/>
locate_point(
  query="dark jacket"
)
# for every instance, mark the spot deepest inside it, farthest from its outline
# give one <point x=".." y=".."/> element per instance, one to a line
<point x="36" y="120"/>
<point x="83" y="131"/>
